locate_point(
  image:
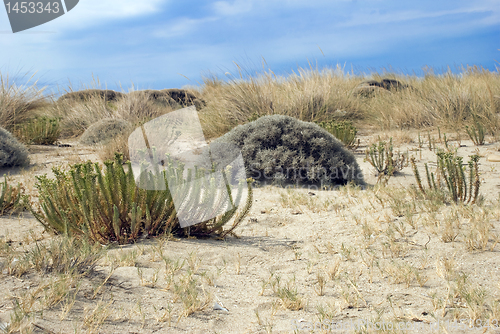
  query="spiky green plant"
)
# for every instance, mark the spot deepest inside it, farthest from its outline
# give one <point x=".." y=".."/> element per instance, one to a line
<point x="381" y="156"/>
<point x="461" y="187"/>
<point x="9" y="198"/>
<point x="476" y="131"/>
<point x="107" y="205"/>
<point x="343" y="131"/>
<point x="39" y="131"/>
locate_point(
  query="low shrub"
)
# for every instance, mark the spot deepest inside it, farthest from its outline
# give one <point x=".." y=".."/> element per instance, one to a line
<point x="12" y="152"/>
<point x="107" y="205"/>
<point x="476" y="131"/>
<point x="451" y="176"/>
<point x="39" y="131"/>
<point x="105" y="130"/>
<point x="118" y="144"/>
<point x="381" y="156"/>
<point x="283" y="149"/>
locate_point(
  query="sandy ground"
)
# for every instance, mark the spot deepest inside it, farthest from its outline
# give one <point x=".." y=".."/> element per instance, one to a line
<point x="290" y="242"/>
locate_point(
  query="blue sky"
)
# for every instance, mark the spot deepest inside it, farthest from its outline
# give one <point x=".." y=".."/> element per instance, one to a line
<point x="160" y="44"/>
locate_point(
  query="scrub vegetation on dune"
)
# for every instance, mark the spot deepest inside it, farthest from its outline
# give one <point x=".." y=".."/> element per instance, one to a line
<point x="83" y="249"/>
<point x="281" y="149"/>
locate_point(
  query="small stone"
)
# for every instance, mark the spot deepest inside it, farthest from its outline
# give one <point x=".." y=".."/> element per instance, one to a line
<point x="494" y="158"/>
<point x="219" y="307"/>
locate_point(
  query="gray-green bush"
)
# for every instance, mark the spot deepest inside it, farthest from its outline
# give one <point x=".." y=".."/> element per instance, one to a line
<point x="12" y="152"/>
<point x="105" y="130"/>
<point x="283" y="149"/>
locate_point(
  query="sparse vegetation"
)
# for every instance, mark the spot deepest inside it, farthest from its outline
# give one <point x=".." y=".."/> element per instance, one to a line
<point x="476" y="131"/>
<point x="10" y="197"/>
<point x="381" y="155"/>
<point x="395" y="253"/>
<point x="451" y="175"/>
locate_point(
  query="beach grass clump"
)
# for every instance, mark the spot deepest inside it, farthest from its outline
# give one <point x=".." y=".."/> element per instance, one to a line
<point x="10" y="198"/>
<point x="77" y="115"/>
<point x="447" y="100"/>
<point x="42" y="130"/>
<point x="18" y="103"/>
<point x="309" y="95"/>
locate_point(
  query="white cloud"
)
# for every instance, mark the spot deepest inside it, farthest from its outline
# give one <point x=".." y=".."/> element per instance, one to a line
<point x="181" y="27"/>
<point x="361" y="19"/>
<point x="285" y="31"/>
<point x="116" y="8"/>
<point x="235" y="7"/>
<point x="227" y="8"/>
<point x="91" y="12"/>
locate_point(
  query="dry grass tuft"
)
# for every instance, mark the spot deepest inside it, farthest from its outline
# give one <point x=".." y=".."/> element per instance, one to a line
<point x="18" y="103"/>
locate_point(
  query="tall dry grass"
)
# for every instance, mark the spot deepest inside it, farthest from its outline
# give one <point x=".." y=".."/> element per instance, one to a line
<point x="309" y="95"/>
<point x="448" y="100"/>
<point x="18" y="103"/>
<point x="77" y="115"/>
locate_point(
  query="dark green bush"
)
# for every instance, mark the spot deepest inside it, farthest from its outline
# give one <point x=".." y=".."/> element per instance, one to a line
<point x="12" y="152"/>
<point x="39" y="131"/>
<point x="284" y="149"/>
<point x="108" y="206"/>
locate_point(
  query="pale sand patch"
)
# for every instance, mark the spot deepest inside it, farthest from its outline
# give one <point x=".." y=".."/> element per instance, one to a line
<point x="297" y="235"/>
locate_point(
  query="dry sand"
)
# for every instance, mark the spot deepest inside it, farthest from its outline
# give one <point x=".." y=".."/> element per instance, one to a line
<point x="297" y="235"/>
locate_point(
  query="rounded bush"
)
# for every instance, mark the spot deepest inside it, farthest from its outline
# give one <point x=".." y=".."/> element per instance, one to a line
<point x="105" y="130"/>
<point x="282" y="149"/>
<point x="12" y="152"/>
